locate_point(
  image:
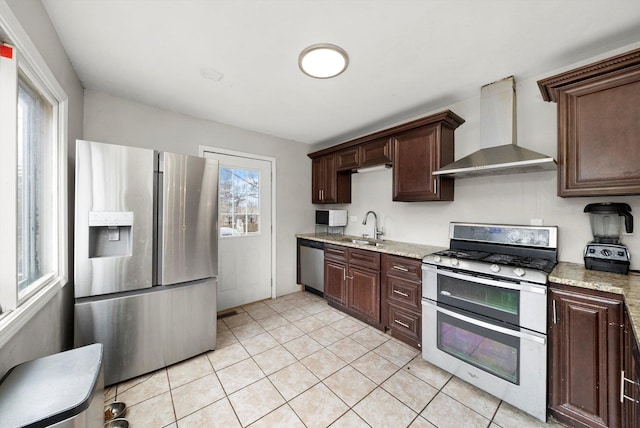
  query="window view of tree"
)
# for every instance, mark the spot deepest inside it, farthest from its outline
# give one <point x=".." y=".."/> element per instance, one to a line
<point x="239" y="207"/>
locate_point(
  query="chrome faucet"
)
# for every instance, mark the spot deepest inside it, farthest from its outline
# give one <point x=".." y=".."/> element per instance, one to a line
<point x="376" y="232"/>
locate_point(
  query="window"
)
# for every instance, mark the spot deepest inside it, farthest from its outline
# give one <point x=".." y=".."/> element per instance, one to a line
<point x="239" y="206"/>
<point x="33" y="221"/>
<point x="34" y="179"/>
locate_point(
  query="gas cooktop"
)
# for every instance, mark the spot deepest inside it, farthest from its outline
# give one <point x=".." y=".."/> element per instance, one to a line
<point x="500" y="259"/>
<point x="512" y="252"/>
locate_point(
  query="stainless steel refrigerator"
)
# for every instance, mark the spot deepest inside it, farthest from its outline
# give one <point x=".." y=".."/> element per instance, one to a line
<point x="145" y="256"/>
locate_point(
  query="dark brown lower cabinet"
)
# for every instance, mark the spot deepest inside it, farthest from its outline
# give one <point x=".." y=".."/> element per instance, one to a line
<point x="364" y="292"/>
<point x="402" y="297"/>
<point x="630" y="377"/>
<point x="585" y="356"/>
<point x="352" y="282"/>
<point x="335" y="286"/>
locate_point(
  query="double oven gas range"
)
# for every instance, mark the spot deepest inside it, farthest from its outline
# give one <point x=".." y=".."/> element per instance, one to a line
<point x="484" y="309"/>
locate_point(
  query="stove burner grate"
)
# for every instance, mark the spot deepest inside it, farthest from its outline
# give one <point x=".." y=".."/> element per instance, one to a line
<point x="464" y="254"/>
<point x="501" y="259"/>
<point x="528" y="262"/>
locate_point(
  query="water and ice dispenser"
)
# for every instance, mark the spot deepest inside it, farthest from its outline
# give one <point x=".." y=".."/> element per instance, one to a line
<point x="110" y="233"/>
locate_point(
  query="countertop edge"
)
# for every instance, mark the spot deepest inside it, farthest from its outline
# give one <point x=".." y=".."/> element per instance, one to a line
<point x="396" y="248"/>
<point x="628" y="286"/>
<point x="565" y="273"/>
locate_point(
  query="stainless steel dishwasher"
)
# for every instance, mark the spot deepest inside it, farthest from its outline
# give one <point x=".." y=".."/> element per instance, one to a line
<point x="311" y="262"/>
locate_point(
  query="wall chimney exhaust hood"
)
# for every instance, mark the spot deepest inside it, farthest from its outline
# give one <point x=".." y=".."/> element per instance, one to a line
<point x="499" y="153"/>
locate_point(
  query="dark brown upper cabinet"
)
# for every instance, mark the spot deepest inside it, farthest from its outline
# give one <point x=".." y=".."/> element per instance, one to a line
<point x="418" y="153"/>
<point x="327" y="185"/>
<point x="414" y="149"/>
<point x="375" y="152"/>
<point x="598" y="127"/>
<point x="347" y="159"/>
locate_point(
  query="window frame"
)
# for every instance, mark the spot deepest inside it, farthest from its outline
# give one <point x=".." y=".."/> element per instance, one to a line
<point x="18" y="308"/>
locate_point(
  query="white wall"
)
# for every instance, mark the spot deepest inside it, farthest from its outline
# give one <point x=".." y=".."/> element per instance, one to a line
<point x="51" y="330"/>
<point x="109" y="119"/>
<point x="514" y="199"/>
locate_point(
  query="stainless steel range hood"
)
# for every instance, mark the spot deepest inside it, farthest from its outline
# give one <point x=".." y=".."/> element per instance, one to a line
<point x="499" y="153"/>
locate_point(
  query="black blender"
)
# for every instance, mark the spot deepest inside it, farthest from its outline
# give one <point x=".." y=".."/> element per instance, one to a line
<point x="605" y="252"/>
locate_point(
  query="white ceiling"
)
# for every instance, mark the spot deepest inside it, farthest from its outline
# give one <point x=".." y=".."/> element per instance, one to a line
<point x="406" y="56"/>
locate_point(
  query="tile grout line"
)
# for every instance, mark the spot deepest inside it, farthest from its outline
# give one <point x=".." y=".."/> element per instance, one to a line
<point x="308" y="335"/>
<point x="377" y="385"/>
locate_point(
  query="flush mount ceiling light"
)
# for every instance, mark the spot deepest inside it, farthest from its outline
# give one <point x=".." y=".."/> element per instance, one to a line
<point x="323" y="61"/>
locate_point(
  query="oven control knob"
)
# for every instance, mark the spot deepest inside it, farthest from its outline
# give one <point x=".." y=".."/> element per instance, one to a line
<point x="454" y="262"/>
<point x="494" y="268"/>
<point x="437" y="259"/>
<point x="519" y="271"/>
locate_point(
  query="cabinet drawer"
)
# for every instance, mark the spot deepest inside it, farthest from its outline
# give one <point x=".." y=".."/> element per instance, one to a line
<point x="403" y="267"/>
<point x="405" y="322"/>
<point x="404" y="293"/>
<point x="335" y="252"/>
<point x="364" y="258"/>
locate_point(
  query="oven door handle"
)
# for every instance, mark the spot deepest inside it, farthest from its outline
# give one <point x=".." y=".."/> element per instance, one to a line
<point x="539" y="289"/>
<point x="487" y="325"/>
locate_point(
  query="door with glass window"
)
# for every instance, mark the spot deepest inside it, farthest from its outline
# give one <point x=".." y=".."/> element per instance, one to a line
<point x="244" y="230"/>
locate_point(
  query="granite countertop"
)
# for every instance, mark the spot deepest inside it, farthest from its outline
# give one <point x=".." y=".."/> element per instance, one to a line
<point x="404" y="249"/>
<point x="573" y="274"/>
<point x="577" y="275"/>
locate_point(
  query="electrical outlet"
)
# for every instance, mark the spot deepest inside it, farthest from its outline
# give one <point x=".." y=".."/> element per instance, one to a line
<point x="536" y="222"/>
<point x="354" y="218"/>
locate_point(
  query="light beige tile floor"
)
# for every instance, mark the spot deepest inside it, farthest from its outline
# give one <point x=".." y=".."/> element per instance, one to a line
<point x="296" y="362"/>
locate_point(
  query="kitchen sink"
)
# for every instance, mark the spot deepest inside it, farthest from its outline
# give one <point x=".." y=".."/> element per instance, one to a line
<point x="365" y="242"/>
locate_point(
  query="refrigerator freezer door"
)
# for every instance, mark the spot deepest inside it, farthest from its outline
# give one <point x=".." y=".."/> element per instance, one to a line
<point x="113" y="218"/>
<point x="188" y="238"/>
<point x="144" y="331"/>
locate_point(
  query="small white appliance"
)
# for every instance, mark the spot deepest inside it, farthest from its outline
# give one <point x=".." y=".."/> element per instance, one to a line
<point x="331" y="218"/>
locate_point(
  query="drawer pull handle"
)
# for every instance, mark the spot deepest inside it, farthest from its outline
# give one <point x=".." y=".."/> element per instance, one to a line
<point x="403" y="269"/>
<point x="401" y="323"/>
<point x="400" y="293"/>
<point x="624" y="380"/>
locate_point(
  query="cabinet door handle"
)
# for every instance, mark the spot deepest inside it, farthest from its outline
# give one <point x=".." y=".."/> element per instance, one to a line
<point x="403" y="269"/>
<point x="400" y="293"/>
<point x="401" y="323"/>
<point x="344" y="274"/>
<point x="555" y="316"/>
<point x="624" y="380"/>
<point x="435" y="185"/>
